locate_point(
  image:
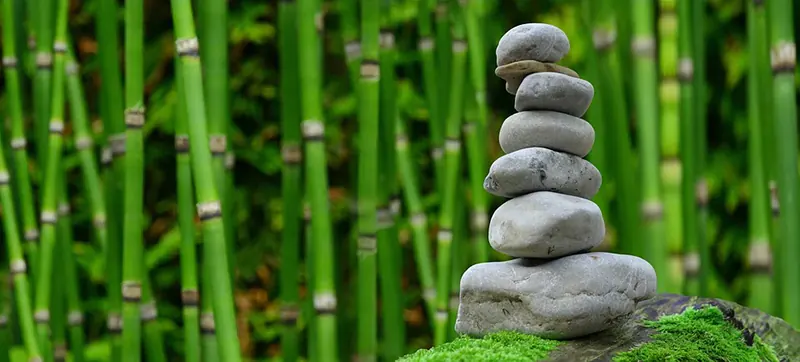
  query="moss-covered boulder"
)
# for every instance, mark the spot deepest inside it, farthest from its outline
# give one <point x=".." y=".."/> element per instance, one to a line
<point x="669" y="327"/>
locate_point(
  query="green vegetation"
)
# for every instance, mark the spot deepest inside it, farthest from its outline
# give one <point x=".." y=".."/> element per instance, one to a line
<point x="501" y="346"/>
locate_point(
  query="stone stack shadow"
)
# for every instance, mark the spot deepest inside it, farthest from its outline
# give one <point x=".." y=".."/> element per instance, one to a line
<point x="554" y="288"/>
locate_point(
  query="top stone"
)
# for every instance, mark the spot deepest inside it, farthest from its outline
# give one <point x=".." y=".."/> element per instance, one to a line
<point x="534" y="41"/>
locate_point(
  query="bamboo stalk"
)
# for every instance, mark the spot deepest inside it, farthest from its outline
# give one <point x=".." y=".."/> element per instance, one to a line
<point x="44" y="32"/>
<point x="152" y="335"/>
<point x="291" y="182"/>
<point x="190" y="297"/>
<point x="209" y="208"/>
<point x="58" y="302"/>
<point x="352" y="46"/>
<point x="74" y="316"/>
<point x="783" y="63"/>
<point x="427" y="50"/>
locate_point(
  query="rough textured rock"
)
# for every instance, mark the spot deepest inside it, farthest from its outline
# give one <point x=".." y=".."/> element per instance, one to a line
<point x="540" y="169"/>
<point x="549" y="91"/>
<point x="553" y="299"/>
<point x="532" y="41"/>
<point x="553" y="130"/>
<point x="515" y="72"/>
<point x="602" y="347"/>
<point x="546" y="225"/>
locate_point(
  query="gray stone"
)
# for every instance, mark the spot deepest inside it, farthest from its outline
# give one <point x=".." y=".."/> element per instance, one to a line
<point x="533" y="41"/>
<point x="539" y="169"/>
<point x="515" y="72"/>
<point x="550" y="91"/>
<point x="548" y="129"/>
<point x="565" y="298"/>
<point x="546" y="225"/>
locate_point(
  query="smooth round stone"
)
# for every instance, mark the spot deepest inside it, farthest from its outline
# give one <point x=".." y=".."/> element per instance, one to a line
<point x="565" y="298"/>
<point x="548" y="129"/>
<point x="550" y="91"/>
<point x="532" y="41"/>
<point x="539" y="169"/>
<point x="515" y="72"/>
<point x="546" y="225"/>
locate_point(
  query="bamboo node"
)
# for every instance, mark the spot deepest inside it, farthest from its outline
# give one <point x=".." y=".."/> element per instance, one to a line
<point x="384" y="218"/>
<point x="114" y="323"/>
<point x="35" y="359"/>
<point x="187" y="47"/>
<point x="41" y="316"/>
<point x="685" y="69"/>
<point x="181" y="143"/>
<point x="148" y="312"/>
<point x="4" y="177"/>
<point x="217" y="144"/>
<point x="401" y="141"/>
<point x="306" y="213"/>
<point x="418" y="219"/>
<point x="190" y="297"/>
<point x="363" y="358"/>
<point x="652" y="210"/>
<point x="71" y="68"/>
<point x="441" y="314"/>
<point x="454" y="301"/>
<point x="603" y="39"/>
<point x="352" y="50"/>
<point x="775" y="203"/>
<point x="131" y="291"/>
<point x="441" y="10"/>
<point x="480" y="221"/>
<point x="644" y="46"/>
<point x="437" y="153"/>
<point x="209" y="210"/>
<point x="207" y="325"/>
<point x="289" y="314"/>
<point x="313" y="130"/>
<point x="31" y="235"/>
<point x="319" y="22"/>
<point x="75" y="318"/>
<point x="60" y="352"/>
<point x="106" y="156"/>
<point x="701" y="192"/>
<point x="395" y="205"/>
<point x="459" y="46"/>
<point x="444" y="236"/>
<point x="99" y="220"/>
<point x="3" y="320"/>
<point x="44" y="60"/>
<point x="18" y="143"/>
<point x="230" y="160"/>
<point x="758" y="3"/>
<point x="83" y="142"/>
<point x="783" y="57"/>
<point x="63" y="209"/>
<point x="325" y="303"/>
<point x="452" y="144"/>
<point x="468" y="127"/>
<point x="134" y="118"/>
<point x="117" y="143"/>
<point x="56" y="126"/>
<point x="387" y="39"/>
<point x="691" y="264"/>
<point x="760" y="256"/>
<point x="48" y="217"/>
<point x="10" y="62"/>
<point x="31" y="42"/>
<point x="367" y="243"/>
<point x="426" y="43"/>
<point x="59" y="47"/>
<point x="429" y="294"/>
<point x="370" y="69"/>
<point x="18" y="266"/>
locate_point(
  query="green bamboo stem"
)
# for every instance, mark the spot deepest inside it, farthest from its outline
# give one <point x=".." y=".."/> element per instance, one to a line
<point x="417" y="218"/>
<point x="13" y="82"/>
<point x="308" y="303"/>
<point x="432" y="94"/>
<point x="452" y="164"/>
<point x="444" y="58"/>
<point x="783" y="62"/>
<point x="368" y="181"/>
<point x="74" y="316"/>
<point x="208" y="329"/>
<point x="51" y="178"/>
<point x="390" y="253"/>
<point x="132" y="243"/>
<point x="459" y="263"/>
<point x="43" y="22"/>
<point x="352" y="45"/>
<point x="669" y="93"/>
<point x="760" y="253"/>
<point x="114" y="159"/>
<point x="209" y="207"/>
<point x="152" y="335"/>
<point x="190" y="297"/>
<point x="58" y="302"/>
<point x="6" y="339"/>
<point x="475" y="133"/>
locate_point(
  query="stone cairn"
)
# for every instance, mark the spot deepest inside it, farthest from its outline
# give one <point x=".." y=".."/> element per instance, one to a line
<point x="555" y="288"/>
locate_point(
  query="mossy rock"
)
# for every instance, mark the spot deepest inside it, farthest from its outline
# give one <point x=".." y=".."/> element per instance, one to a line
<point x="669" y="327"/>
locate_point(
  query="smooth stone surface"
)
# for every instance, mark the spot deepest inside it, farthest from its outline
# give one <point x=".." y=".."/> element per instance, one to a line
<point x="532" y="41"/>
<point x="515" y="72"/>
<point x="565" y="298"/>
<point x="548" y="129"/>
<point x="550" y="91"/>
<point x="546" y="225"/>
<point x="539" y="169"/>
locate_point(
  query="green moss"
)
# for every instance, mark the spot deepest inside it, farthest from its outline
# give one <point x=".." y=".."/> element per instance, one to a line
<point x="501" y="346"/>
<point x="698" y="336"/>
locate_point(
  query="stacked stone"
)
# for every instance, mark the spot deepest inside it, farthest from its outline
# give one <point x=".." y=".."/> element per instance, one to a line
<point x="555" y="288"/>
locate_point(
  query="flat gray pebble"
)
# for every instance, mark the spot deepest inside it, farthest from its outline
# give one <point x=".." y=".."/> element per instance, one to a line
<point x="546" y="225"/>
<point x="559" y="299"/>
<point x="548" y="129"/>
<point x="540" y="169"/>
<point x="550" y="91"/>
<point x="532" y="41"/>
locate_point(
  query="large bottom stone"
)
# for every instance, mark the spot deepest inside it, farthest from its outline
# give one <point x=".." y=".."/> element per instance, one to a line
<point x="561" y="299"/>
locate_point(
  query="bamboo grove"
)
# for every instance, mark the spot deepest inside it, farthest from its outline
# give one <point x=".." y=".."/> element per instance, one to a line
<point x="166" y="166"/>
